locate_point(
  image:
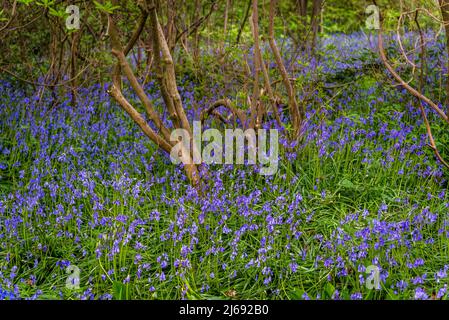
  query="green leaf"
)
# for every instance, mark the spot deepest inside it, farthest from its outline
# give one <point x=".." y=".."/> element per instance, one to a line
<point x="56" y="13"/>
<point x="329" y="290"/>
<point x="391" y="295"/>
<point x="212" y="297"/>
<point x="118" y="290"/>
<point x="45" y="3"/>
<point x="345" y="183"/>
<point x="26" y="2"/>
<point x="296" y="294"/>
<point x="107" y="7"/>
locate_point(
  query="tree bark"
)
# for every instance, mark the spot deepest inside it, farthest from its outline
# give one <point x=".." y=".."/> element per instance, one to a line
<point x="167" y="83"/>
<point x="444" y="6"/>
<point x="315" y="23"/>
<point x="256" y="107"/>
<point x="296" y="112"/>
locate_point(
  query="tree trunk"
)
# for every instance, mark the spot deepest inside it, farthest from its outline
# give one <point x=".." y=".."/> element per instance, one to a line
<point x="256" y="108"/>
<point x="168" y="88"/>
<point x="296" y="113"/>
<point x="444" y="5"/>
<point x="315" y="23"/>
<point x="73" y="65"/>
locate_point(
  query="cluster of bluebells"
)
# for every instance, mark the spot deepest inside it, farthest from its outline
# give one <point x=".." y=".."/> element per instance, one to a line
<point x="84" y="187"/>
<point x="7" y="295"/>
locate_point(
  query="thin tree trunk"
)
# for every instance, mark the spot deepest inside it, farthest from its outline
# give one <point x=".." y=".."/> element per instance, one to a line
<point x="243" y="22"/>
<point x="225" y="27"/>
<point x="296" y="112"/>
<point x="73" y="65"/>
<point x="170" y="34"/>
<point x="196" y="35"/>
<point x="444" y="5"/>
<point x="315" y="23"/>
<point x="256" y="108"/>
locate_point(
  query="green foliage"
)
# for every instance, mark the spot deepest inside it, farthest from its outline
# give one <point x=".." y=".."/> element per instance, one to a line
<point x="26" y="2"/>
<point x="45" y="3"/>
<point x="106" y="7"/>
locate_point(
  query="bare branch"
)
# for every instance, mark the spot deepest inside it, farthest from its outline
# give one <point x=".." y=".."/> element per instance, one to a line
<point x="228" y="105"/>
<point x="409" y="88"/>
